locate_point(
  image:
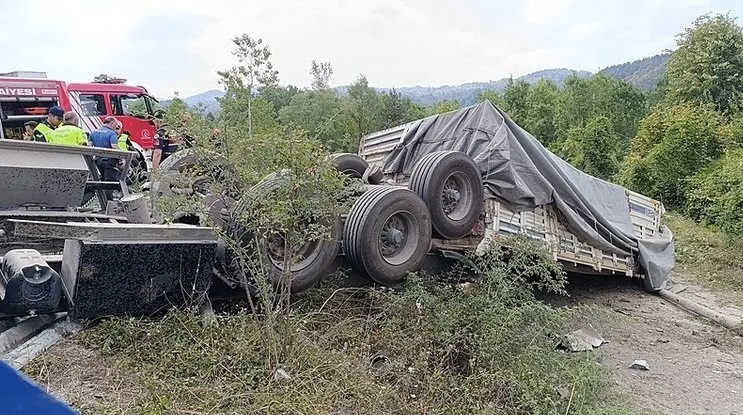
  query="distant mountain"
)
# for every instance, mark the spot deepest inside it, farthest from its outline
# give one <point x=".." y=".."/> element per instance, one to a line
<point x="208" y="99"/>
<point x="643" y="73"/>
<point x="467" y="93"/>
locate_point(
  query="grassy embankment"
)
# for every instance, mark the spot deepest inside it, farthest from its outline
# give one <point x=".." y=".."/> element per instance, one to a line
<point x="432" y="348"/>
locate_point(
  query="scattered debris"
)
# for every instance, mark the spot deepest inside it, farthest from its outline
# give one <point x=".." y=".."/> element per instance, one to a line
<point x="582" y="340"/>
<point x="677" y="288"/>
<point x="624" y="311"/>
<point x="639" y="365"/>
<point x="379" y="361"/>
<point x="280" y="374"/>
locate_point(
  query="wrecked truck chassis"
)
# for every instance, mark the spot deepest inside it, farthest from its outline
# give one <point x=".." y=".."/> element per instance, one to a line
<point x="108" y="265"/>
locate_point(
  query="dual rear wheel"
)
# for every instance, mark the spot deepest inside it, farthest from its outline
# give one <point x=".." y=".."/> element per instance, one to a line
<point x="388" y="231"/>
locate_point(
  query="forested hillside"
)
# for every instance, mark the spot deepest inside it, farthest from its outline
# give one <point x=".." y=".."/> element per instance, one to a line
<point x="466" y="94"/>
<point x="643" y="73"/>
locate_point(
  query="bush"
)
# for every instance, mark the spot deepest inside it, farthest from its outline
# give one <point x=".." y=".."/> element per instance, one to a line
<point x="716" y="194"/>
<point x="672" y="144"/>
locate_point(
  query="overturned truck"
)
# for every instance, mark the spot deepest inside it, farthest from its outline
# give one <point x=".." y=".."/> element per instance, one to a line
<point x="450" y="183"/>
<point x="482" y="176"/>
<point x="440" y="186"/>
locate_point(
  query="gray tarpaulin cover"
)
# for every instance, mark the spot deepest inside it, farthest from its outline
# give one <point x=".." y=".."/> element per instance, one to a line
<point x="519" y="172"/>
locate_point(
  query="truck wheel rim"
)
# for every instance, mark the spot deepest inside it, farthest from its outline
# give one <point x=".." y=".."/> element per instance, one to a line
<point x="398" y="238"/>
<point x="456" y="196"/>
<point x="305" y="255"/>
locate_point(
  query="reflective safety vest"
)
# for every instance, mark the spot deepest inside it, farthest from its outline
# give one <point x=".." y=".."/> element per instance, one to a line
<point x="69" y="135"/>
<point x="123" y="142"/>
<point x="41" y="132"/>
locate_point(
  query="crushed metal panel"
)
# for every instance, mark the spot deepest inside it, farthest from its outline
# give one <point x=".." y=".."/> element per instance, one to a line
<point x="43" y="177"/>
<point x="129" y="278"/>
<point x="112" y="231"/>
<point x="50" y="175"/>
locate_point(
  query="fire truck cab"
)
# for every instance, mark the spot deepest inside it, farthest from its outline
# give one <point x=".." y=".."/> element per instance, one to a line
<point x="26" y="96"/>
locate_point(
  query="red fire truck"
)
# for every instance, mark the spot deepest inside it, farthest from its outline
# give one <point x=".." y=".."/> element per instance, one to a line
<point x="26" y="96"/>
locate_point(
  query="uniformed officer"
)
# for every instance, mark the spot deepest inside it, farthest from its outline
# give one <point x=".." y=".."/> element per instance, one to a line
<point x="123" y="141"/>
<point x="69" y="133"/>
<point x="164" y="145"/>
<point x="52" y="121"/>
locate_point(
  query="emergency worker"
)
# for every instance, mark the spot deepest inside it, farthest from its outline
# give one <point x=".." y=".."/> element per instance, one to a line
<point x="164" y="144"/>
<point x="52" y="121"/>
<point x="106" y="137"/>
<point x="69" y="133"/>
<point x="123" y="141"/>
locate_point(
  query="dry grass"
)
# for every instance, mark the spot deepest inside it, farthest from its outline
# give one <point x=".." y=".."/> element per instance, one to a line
<point x="86" y="380"/>
<point x="488" y="349"/>
<point x="708" y="256"/>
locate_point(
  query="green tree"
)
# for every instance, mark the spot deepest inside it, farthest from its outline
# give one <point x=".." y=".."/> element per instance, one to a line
<point x="278" y="96"/>
<point x="672" y="144"/>
<point x="574" y="106"/>
<point x="243" y="111"/>
<point x="494" y="97"/>
<point x="623" y="103"/>
<point x="321" y="114"/>
<point x="716" y="194"/>
<point x="707" y="66"/>
<point x="539" y="120"/>
<point x="397" y="109"/>
<point x="321" y="74"/>
<point x="254" y="70"/>
<point x="595" y="148"/>
<point x="515" y="97"/>
<point x="364" y="108"/>
<point x="658" y="94"/>
<point x="581" y="100"/>
<point x="444" y="106"/>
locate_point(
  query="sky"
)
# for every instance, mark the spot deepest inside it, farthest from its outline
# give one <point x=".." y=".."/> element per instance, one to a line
<point x="178" y="46"/>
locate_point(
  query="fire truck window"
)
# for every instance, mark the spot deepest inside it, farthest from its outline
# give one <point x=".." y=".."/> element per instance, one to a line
<point x="133" y="105"/>
<point x="93" y="104"/>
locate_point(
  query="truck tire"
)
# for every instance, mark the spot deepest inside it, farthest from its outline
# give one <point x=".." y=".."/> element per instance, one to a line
<point x="172" y="179"/>
<point x="137" y="170"/>
<point x="387" y="234"/>
<point x="317" y="257"/>
<point x="177" y="163"/>
<point x="451" y="185"/>
<point x="349" y="164"/>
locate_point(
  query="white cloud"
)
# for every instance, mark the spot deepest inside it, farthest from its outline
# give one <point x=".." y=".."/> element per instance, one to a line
<point x="171" y="45"/>
<point x="545" y="11"/>
<point x="584" y="30"/>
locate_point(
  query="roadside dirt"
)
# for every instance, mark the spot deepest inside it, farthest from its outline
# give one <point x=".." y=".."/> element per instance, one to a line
<point x="85" y="380"/>
<point x="696" y="367"/>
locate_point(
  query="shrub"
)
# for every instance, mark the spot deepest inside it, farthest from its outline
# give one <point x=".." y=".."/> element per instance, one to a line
<point x="672" y="144"/>
<point x="716" y="194"/>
